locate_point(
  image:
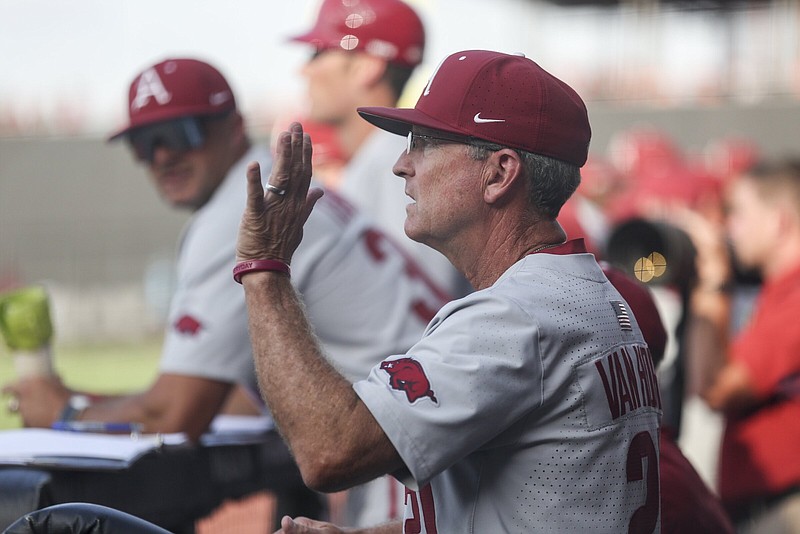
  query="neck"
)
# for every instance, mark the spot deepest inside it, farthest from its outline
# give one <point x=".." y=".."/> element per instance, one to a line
<point x="784" y="259"/>
<point x="352" y="131"/>
<point x="351" y="134"/>
<point x="541" y="248"/>
<point x="497" y="256"/>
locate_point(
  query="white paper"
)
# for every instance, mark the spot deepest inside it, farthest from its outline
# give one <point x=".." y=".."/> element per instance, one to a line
<point x="89" y="450"/>
<point x="39" y="446"/>
<point x="237" y="429"/>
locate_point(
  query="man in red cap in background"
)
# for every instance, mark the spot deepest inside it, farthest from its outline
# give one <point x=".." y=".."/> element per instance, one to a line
<point x="528" y="405"/>
<point x="364" y="53"/>
<point x="366" y="300"/>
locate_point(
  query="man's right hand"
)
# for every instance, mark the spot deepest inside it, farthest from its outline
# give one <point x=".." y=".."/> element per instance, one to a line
<point x="41" y="399"/>
<point x="303" y="525"/>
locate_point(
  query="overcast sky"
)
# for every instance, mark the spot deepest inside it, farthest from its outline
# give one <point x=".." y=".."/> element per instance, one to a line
<point x="78" y="56"/>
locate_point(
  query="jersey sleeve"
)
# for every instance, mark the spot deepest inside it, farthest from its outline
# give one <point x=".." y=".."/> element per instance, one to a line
<point x="207" y="334"/>
<point x="476" y="371"/>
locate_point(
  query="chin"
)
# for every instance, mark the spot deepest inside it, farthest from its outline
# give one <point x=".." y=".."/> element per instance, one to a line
<point x="415" y="235"/>
<point x="180" y="202"/>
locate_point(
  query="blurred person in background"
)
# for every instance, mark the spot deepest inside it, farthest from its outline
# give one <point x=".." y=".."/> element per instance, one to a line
<point x="656" y="177"/>
<point x="752" y="377"/>
<point x="364" y="54"/>
<point x="687" y="504"/>
<point x="365" y="298"/>
<point x="587" y="213"/>
<point x="328" y="158"/>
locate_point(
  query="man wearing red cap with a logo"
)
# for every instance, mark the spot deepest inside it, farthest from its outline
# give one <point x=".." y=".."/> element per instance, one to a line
<point x="530" y="405"/>
<point x="364" y="53"/>
<point x="366" y="299"/>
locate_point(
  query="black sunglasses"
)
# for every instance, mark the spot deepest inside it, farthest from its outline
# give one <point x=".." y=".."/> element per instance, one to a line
<point x="181" y="135"/>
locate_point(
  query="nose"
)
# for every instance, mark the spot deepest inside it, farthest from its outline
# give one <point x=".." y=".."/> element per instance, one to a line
<point x="162" y="154"/>
<point x="403" y="166"/>
<point x="309" y="65"/>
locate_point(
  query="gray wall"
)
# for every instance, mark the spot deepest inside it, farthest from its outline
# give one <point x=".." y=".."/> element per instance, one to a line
<point x="78" y="213"/>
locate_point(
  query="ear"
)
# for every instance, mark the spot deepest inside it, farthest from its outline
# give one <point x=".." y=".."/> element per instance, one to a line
<point x="368" y="69"/>
<point x="504" y="175"/>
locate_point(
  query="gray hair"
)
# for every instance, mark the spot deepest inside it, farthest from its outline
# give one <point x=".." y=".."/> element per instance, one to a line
<point x="550" y="181"/>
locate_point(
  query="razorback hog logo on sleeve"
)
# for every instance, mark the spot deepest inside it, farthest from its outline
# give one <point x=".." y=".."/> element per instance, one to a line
<point x="406" y="374"/>
<point x="188" y="325"/>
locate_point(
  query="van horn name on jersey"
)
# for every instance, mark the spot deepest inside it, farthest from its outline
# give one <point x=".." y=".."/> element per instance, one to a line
<point x="628" y="385"/>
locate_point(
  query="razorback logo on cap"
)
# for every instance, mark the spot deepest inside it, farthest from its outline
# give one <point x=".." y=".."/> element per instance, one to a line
<point x="406" y="374"/>
<point x="188" y="325"/>
<point x="150" y="86"/>
<point x="173" y="89"/>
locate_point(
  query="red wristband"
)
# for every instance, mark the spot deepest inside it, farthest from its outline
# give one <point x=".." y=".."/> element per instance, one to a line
<point x="244" y="267"/>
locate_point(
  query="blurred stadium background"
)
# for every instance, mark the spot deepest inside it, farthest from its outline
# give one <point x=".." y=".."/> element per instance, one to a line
<point x="77" y="213"/>
<point x="79" y="216"/>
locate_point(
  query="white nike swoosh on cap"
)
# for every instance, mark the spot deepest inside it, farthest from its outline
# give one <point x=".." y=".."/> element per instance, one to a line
<point x="480" y="120"/>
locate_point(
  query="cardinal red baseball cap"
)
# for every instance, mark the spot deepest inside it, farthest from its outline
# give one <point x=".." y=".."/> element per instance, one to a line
<point x="176" y="88"/>
<point x="504" y="99"/>
<point x="389" y="29"/>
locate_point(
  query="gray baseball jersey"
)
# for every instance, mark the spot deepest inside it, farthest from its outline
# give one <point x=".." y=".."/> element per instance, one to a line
<point x="529" y="406"/>
<point x="364" y="299"/>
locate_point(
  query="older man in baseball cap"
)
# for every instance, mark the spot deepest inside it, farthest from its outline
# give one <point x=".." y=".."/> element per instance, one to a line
<point x="529" y="405"/>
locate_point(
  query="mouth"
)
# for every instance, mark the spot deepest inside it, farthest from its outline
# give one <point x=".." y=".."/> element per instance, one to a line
<point x="173" y="182"/>
<point x="173" y="174"/>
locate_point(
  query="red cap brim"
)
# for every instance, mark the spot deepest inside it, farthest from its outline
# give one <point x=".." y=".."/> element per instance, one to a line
<point x="311" y="37"/>
<point x="400" y="120"/>
<point x="118" y="134"/>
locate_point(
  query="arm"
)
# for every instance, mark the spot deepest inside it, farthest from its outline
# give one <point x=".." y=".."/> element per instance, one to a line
<point x="173" y="403"/>
<point x="334" y="438"/>
<point x="724" y="385"/>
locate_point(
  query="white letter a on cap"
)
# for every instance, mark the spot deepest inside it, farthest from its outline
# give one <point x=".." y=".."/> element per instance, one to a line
<point x="149" y="86"/>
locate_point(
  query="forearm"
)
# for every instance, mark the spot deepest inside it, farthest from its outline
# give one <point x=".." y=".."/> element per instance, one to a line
<point x="120" y="408"/>
<point x="334" y="438"/>
<point x="174" y="403"/>
<point x="707" y="339"/>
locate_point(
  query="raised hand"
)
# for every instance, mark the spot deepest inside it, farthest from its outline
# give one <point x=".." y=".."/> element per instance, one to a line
<point x="272" y="224"/>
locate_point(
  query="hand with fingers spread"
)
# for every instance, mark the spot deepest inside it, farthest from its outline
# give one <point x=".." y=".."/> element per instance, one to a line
<point x="272" y="224"/>
<point x="303" y="525"/>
